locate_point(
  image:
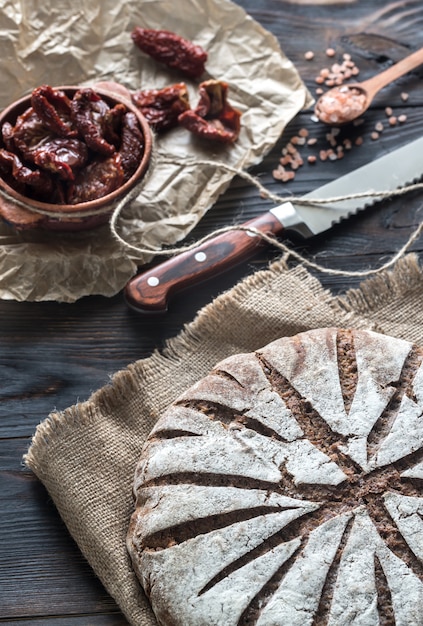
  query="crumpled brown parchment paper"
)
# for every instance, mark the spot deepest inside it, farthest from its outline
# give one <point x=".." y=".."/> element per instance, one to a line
<point x="84" y="41"/>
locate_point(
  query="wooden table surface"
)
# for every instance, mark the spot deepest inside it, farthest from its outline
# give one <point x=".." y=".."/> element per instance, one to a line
<point x="53" y="355"/>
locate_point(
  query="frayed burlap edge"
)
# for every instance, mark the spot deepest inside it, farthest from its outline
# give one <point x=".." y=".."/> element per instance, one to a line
<point x="140" y="387"/>
<point x="377" y="290"/>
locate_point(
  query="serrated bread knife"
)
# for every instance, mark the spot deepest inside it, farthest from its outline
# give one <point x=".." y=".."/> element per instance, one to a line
<point x="150" y="291"/>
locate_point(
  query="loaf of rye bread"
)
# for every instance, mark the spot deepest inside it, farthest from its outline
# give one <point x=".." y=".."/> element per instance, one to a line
<point x="285" y="488"/>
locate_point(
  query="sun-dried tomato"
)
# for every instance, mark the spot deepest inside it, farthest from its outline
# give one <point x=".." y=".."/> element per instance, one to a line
<point x="61" y="156"/>
<point x="7" y="135"/>
<point x="171" y="49"/>
<point x="89" y="113"/>
<point x="132" y="145"/>
<point x="162" y="107"/>
<point x="214" y="117"/>
<point x="112" y="124"/>
<point x="24" y="175"/>
<point x="27" y="133"/>
<point x="98" y="179"/>
<point x="53" y="107"/>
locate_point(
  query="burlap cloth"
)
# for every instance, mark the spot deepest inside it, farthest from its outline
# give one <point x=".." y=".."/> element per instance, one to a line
<point x="86" y="455"/>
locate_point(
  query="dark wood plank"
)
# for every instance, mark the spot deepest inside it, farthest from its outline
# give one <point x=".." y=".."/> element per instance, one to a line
<point x="36" y="547"/>
<point x="53" y="355"/>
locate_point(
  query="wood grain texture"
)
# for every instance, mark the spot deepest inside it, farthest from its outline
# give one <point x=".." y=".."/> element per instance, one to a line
<point x="53" y="355"/>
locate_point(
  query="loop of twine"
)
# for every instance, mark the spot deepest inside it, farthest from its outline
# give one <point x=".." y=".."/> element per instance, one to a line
<point x="270" y="239"/>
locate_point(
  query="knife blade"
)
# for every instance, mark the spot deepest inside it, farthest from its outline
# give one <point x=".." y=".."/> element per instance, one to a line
<point x="150" y="291"/>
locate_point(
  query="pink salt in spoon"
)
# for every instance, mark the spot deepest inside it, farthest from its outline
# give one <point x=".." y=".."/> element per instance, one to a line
<point x="346" y="103"/>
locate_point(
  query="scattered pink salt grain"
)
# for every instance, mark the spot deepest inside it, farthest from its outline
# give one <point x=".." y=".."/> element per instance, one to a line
<point x="347" y="103"/>
<point x="285" y="160"/>
<point x="337" y="73"/>
<point x="283" y="175"/>
<point x="331" y="139"/>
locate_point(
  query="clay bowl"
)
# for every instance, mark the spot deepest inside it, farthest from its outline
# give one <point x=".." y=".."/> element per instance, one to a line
<point x="60" y="216"/>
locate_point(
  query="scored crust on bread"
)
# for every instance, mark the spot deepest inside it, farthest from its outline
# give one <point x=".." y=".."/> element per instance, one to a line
<point x="286" y="488"/>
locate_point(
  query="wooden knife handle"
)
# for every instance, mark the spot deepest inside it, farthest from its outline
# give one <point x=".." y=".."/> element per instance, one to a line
<point x="151" y="290"/>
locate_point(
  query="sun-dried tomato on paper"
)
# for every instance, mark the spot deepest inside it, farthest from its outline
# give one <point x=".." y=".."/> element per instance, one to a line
<point x="214" y="117"/>
<point x="162" y="107"/>
<point x="171" y="49"/>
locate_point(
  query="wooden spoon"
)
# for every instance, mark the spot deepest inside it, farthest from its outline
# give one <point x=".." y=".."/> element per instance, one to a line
<point x="346" y="103"/>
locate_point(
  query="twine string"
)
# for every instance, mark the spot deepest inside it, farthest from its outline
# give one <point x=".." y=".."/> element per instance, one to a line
<point x="271" y="239"/>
